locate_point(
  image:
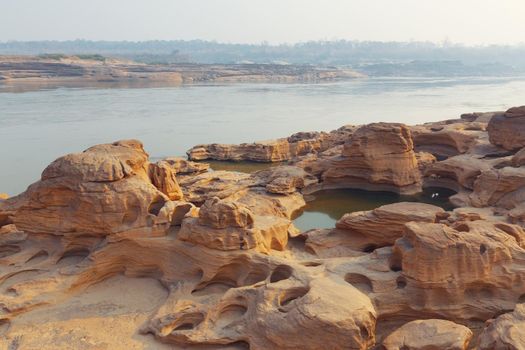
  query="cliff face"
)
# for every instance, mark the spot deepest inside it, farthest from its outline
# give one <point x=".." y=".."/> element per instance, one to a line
<point x="170" y="255"/>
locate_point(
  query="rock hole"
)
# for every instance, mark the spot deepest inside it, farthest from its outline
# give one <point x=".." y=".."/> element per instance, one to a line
<point x="8" y="250"/>
<point x="401" y="282"/>
<point x="482" y="249"/>
<point x="395" y="263"/>
<point x="38" y="257"/>
<point x="211" y="288"/>
<point x="369" y="248"/>
<point x="363" y="331"/>
<point x="188" y="322"/>
<point x="156" y="205"/>
<point x="73" y="256"/>
<point x="230" y="314"/>
<point x="257" y="274"/>
<point x="360" y="282"/>
<point x="240" y="345"/>
<point x="311" y="263"/>
<point x="280" y="273"/>
<point x="480" y="291"/>
<point x="290" y="295"/>
<point x="462" y="227"/>
<point x="4" y="326"/>
<point x="521" y="299"/>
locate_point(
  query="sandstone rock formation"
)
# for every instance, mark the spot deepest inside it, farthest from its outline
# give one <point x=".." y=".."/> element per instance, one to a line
<point x="505" y="332"/>
<point x="107" y="189"/>
<point x="109" y="250"/>
<point x="377" y="156"/>
<point x="384" y="225"/>
<point x="429" y="335"/>
<point x="508" y="129"/>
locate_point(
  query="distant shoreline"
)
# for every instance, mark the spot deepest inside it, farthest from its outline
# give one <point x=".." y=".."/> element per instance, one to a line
<point x="91" y="70"/>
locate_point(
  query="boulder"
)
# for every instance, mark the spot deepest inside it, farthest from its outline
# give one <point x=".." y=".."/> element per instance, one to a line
<point x="519" y="158"/>
<point x="507" y="129"/>
<point x="102" y="191"/>
<point x="378" y="156"/>
<point x="225" y="225"/>
<point x="163" y="177"/>
<point x="430" y="334"/>
<point x="182" y="166"/>
<point x="384" y="225"/>
<point x="503" y="188"/>
<point x="506" y="332"/>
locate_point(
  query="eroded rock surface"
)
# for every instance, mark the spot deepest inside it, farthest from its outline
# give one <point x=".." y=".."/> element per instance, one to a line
<point x="505" y="332"/>
<point x="215" y="260"/>
<point x="508" y="129"/>
<point x="377" y="156"/>
<point x="429" y="335"/>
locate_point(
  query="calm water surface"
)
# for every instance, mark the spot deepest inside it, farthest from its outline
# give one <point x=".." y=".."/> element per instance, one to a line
<point x="37" y="127"/>
<point x="328" y="206"/>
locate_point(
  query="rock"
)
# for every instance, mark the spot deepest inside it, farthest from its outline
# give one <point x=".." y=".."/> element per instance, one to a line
<point x="225" y="225"/>
<point x="285" y="179"/>
<point x="278" y="150"/>
<point x="104" y="190"/>
<point x="378" y="156"/>
<point x="222" y="214"/>
<point x="507" y="332"/>
<point x="384" y="225"/>
<point x="457" y="173"/>
<point x="182" y="210"/>
<point x="255" y="191"/>
<point x="163" y="177"/>
<point x="503" y="188"/>
<point x="263" y="151"/>
<point x="445" y="141"/>
<point x="508" y="129"/>
<point x="519" y="158"/>
<point x="461" y="263"/>
<point x="430" y="334"/>
<point x="181" y="166"/>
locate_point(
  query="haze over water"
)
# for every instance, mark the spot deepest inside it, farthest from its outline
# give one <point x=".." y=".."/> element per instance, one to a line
<point x="39" y="126"/>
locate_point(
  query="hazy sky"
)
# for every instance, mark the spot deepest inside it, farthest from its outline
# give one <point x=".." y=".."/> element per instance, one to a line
<point x="275" y="21"/>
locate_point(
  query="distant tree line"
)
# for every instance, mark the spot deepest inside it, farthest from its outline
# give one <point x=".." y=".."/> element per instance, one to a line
<point x="376" y="58"/>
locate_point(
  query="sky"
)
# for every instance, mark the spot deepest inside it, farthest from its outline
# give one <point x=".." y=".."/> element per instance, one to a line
<point x="472" y="22"/>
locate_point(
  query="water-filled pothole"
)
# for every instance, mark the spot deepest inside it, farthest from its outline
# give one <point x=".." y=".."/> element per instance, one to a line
<point x="241" y="166"/>
<point x="328" y="206"/>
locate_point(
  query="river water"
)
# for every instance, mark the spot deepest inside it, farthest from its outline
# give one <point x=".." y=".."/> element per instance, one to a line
<point x="36" y="127"/>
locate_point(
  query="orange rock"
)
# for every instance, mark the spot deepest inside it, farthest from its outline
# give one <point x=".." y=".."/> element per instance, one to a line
<point x="430" y="334"/>
<point x="508" y="129"/>
<point x="377" y="157"/>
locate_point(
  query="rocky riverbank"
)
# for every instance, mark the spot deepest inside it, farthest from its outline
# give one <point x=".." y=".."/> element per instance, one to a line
<point x="80" y="70"/>
<point x="224" y="267"/>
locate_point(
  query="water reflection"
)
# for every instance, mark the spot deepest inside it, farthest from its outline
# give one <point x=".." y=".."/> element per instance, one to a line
<point x="329" y="205"/>
<point x="242" y="167"/>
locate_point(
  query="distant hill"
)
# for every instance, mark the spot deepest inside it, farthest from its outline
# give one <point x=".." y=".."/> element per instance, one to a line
<point x="372" y="58"/>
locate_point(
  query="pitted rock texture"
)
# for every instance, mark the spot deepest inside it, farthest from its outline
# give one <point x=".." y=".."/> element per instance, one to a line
<point x="110" y="251"/>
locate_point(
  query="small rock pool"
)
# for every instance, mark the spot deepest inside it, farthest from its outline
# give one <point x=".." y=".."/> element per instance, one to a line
<point x="326" y="207"/>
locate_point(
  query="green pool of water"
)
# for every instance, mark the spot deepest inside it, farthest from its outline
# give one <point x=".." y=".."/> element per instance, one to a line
<point x="243" y="166"/>
<point x="329" y="205"/>
<point x="326" y="207"/>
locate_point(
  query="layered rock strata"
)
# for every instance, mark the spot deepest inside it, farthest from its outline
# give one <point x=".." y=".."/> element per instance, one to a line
<point x="230" y="270"/>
